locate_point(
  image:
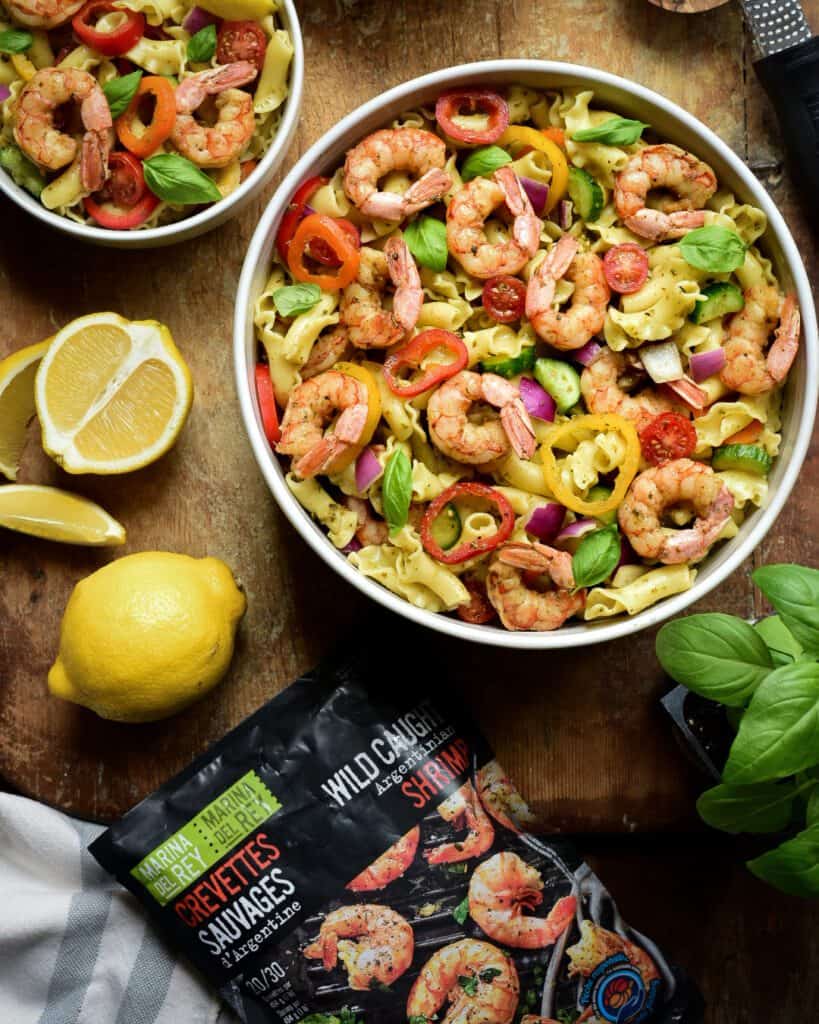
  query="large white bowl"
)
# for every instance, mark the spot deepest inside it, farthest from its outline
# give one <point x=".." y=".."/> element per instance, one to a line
<point x="211" y="216"/>
<point x="671" y="122"/>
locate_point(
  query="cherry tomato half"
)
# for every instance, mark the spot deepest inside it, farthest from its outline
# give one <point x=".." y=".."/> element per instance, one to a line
<point x="626" y="268"/>
<point x="118" y="40"/>
<point x="267" y="402"/>
<point x="321" y="252"/>
<point x="241" y="40"/>
<point x="667" y="437"/>
<point x="464" y="102"/>
<point x="124" y="202"/>
<point x="504" y="298"/>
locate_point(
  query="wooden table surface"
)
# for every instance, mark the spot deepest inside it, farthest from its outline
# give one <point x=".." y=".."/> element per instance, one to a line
<point x="582" y="731"/>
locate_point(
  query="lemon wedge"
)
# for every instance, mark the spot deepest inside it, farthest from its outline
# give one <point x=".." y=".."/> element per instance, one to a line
<point x="57" y="515"/>
<point x="112" y="394"/>
<point x="17" y="373"/>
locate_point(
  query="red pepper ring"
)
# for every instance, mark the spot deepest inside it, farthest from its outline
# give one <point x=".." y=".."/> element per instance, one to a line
<point x="317" y="226"/>
<point x="110" y="44"/>
<point x="414" y="352"/>
<point x="472" y="101"/>
<point x="295" y="212"/>
<point x="478" y="546"/>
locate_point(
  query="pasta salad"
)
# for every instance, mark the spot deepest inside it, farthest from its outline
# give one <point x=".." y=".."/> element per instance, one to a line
<point x="130" y="114"/>
<point x="529" y="356"/>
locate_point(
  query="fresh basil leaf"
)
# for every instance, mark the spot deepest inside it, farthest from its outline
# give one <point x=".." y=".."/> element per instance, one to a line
<point x="779" y="733"/>
<point x="812" y="808"/>
<point x="717" y="656"/>
<point x="177" y="180"/>
<point x="617" y="131"/>
<point x="596" y="557"/>
<point x="793" y="590"/>
<point x="202" y="45"/>
<point x="792" y="867"/>
<point x="120" y="91"/>
<point x="488" y="974"/>
<point x="461" y="912"/>
<point x="779" y="640"/>
<point x="396" y="490"/>
<point x="295" y="299"/>
<point x="426" y="240"/>
<point x="713" y="248"/>
<point x="484" y="161"/>
<point x="469" y="983"/>
<point x="15" y="40"/>
<point x="766" y="807"/>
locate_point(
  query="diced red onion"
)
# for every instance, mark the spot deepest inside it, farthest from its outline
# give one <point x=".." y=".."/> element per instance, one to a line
<point x="538" y="193"/>
<point x="706" y="364"/>
<point x="367" y="470"/>
<point x="661" y="361"/>
<point x="197" y="18"/>
<point x="545" y="521"/>
<point x="628" y="556"/>
<point x="563" y="214"/>
<point x="539" y="403"/>
<point x="688" y="391"/>
<point x="587" y="355"/>
<point x="579" y="528"/>
<point x="354" y="545"/>
<point x="5" y="92"/>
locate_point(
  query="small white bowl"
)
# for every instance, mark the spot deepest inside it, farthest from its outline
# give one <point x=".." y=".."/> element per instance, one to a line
<point x="211" y="216"/>
<point x="672" y="123"/>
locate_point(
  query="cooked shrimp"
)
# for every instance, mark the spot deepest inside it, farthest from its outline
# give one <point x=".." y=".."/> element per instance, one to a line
<point x="568" y="328"/>
<point x="326" y="352"/>
<point x="465" y="217"/>
<point x="501" y="799"/>
<point x="39" y="138"/>
<point x="473" y="435"/>
<point x="396" y="149"/>
<point x="370" y="530"/>
<point x="492" y="999"/>
<point x="601" y="387"/>
<point x="597" y="944"/>
<point x="500" y="889"/>
<point x="218" y="144"/>
<point x="670" y="169"/>
<point x="463" y="809"/>
<point x="747" y="368"/>
<point x="310" y="408"/>
<point x="42" y="13"/>
<point x="374" y="943"/>
<point x="390" y="865"/>
<point x="522" y="607"/>
<point x="368" y="323"/>
<point x="656" y="491"/>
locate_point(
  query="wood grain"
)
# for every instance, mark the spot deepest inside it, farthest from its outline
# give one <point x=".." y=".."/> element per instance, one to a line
<point x="580" y="730"/>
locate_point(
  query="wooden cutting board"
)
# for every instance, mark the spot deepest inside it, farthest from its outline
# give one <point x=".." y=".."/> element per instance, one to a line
<point x="581" y="731"/>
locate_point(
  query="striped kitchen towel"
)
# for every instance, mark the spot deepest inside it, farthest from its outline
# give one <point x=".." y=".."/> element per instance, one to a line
<point x="75" y="948"/>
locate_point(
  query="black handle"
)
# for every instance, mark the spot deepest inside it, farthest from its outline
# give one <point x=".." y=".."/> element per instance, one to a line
<point x="791" y="79"/>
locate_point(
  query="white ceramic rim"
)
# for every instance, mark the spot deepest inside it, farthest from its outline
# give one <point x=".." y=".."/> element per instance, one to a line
<point x="731" y="555"/>
<point x="211" y="216"/>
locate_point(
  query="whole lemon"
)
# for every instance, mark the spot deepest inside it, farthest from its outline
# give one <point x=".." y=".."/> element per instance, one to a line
<point x="147" y="635"/>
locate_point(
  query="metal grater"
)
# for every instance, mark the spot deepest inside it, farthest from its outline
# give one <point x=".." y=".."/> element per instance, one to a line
<point x="776" y="25"/>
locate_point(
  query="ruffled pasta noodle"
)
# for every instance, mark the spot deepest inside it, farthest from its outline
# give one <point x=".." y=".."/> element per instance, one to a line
<point x="640" y="593"/>
<point x="339" y="521"/>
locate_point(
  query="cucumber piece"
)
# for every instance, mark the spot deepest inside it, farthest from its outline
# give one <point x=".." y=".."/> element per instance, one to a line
<point x="721" y="298"/>
<point x="561" y="380"/>
<point x="588" y="197"/>
<point x="600" y="493"/>
<point x="749" y="458"/>
<point x="24" y="173"/>
<point x="447" y="527"/>
<point x="511" y="366"/>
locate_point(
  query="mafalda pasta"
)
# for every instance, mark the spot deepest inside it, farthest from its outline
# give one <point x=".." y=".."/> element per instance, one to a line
<point x="343" y="856"/>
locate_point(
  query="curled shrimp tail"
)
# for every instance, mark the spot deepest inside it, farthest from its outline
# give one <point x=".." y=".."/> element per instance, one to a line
<point x="409" y="294"/>
<point x="786" y="341"/>
<point x="519" y="429"/>
<point x="429" y="188"/>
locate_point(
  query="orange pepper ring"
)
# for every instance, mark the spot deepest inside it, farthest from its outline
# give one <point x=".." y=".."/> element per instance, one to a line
<point x="317" y="225"/>
<point x="161" y="124"/>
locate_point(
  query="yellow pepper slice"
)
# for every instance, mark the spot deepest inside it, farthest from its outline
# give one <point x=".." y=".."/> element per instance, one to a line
<point x="523" y="136"/>
<point x="373" y="410"/>
<point x="23" y="66"/>
<point x="562" y="436"/>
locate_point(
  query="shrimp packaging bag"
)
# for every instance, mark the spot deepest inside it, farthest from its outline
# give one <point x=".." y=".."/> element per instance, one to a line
<point x="352" y="854"/>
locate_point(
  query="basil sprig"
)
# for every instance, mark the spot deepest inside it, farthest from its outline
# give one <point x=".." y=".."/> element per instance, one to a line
<point x="426" y="240"/>
<point x="120" y="91"/>
<point x="396" y="490"/>
<point x="484" y="161"/>
<point x="15" y="40"/>
<point x="617" y="131"/>
<point x="294" y="299"/>
<point x="713" y="248"/>
<point x="596" y="557"/>
<point x="177" y="180"/>
<point x="768" y="676"/>
<point x="202" y="45"/>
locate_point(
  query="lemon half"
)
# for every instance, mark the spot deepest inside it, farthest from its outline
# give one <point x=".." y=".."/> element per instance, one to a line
<point x="57" y="515"/>
<point x="17" y="373"/>
<point x="112" y="394"/>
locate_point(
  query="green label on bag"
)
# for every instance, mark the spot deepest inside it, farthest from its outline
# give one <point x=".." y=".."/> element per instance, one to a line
<point x="215" y="831"/>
